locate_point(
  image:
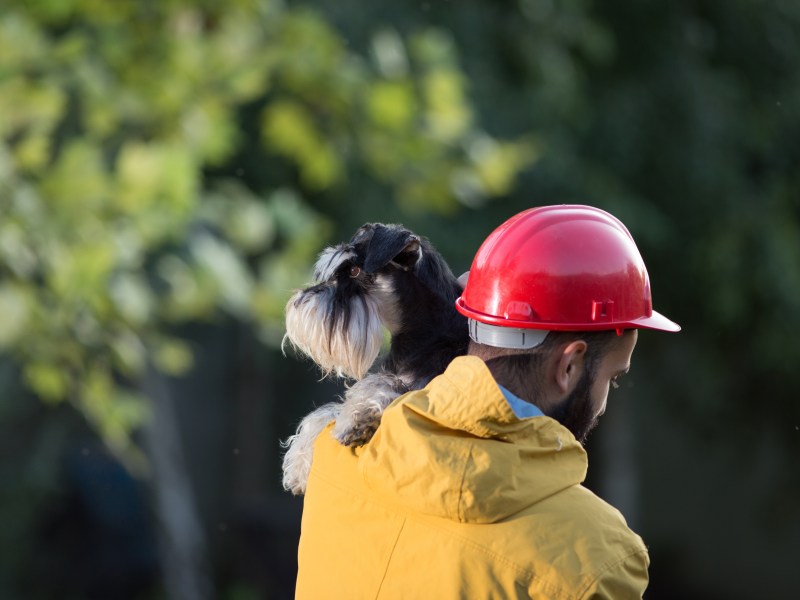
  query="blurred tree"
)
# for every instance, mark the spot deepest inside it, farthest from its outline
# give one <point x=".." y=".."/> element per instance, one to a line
<point x="118" y="121"/>
<point x="158" y="167"/>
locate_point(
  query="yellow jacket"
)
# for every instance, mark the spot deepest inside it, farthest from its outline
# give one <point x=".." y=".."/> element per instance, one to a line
<point x="457" y="497"/>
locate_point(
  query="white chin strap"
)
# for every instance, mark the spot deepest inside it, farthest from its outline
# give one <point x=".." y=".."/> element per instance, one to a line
<point x="506" y="337"/>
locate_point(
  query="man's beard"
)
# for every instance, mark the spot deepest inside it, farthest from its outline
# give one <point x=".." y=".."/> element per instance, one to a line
<point x="576" y="412"/>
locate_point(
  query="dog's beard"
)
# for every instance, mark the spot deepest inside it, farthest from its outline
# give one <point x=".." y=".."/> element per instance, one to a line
<point x="342" y="341"/>
<point x="341" y="333"/>
<point x="576" y="412"/>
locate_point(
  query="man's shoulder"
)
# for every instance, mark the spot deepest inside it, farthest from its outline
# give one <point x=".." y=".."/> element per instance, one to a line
<point x="576" y="540"/>
<point x="592" y="518"/>
<point x="564" y="546"/>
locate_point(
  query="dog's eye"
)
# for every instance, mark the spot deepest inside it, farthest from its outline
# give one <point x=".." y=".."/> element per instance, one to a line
<point x="355" y="271"/>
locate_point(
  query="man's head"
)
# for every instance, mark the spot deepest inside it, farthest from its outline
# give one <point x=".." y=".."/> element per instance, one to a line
<point x="568" y="376"/>
<point x="554" y="298"/>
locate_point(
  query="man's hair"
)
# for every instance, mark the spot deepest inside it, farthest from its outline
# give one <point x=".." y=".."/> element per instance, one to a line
<point x="516" y="369"/>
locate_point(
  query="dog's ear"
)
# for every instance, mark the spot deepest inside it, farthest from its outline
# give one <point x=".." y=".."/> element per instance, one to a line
<point x="392" y="245"/>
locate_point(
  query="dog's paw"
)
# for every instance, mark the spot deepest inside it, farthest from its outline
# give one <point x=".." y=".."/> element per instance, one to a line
<point x="356" y="429"/>
<point x="300" y="448"/>
<point x="295" y="468"/>
<point x="362" y="408"/>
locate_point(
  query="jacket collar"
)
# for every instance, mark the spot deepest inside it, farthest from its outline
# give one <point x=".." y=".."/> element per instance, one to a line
<point x="456" y="449"/>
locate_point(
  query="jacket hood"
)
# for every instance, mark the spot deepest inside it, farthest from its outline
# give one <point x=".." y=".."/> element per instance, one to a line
<point x="457" y="450"/>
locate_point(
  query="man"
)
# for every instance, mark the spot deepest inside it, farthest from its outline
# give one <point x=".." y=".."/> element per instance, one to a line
<point x="471" y="487"/>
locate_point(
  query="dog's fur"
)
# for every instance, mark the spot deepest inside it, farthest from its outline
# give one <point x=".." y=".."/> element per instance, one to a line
<point x="384" y="277"/>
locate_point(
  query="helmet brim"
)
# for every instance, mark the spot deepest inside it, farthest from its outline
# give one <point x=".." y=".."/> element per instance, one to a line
<point x="656" y="321"/>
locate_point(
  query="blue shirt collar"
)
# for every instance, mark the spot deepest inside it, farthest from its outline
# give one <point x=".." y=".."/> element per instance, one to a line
<point x="521" y="408"/>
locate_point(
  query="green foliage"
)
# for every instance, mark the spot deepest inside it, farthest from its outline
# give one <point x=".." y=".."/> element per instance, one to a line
<point x="120" y="215"/>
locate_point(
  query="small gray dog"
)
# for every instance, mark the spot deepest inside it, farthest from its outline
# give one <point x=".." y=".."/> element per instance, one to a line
<point x="385" y="277"/>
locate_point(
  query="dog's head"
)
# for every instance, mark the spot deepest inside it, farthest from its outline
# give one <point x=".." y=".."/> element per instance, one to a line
<point x="361" y="287"/>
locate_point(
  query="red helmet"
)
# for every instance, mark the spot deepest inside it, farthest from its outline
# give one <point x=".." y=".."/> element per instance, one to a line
<point x="562" y="268"/>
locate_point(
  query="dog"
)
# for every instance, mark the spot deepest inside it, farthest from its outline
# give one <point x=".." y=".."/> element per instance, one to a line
<point x="386" y="278"/>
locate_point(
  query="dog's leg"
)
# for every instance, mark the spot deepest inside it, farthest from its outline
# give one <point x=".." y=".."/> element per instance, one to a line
<point x="364" y="403"/>
<point x="300" y="447"/>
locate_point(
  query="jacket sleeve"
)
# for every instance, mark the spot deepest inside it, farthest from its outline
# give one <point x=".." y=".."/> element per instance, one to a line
<point x="624" y="580"/>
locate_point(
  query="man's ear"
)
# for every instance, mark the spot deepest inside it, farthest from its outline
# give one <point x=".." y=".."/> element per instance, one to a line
<point x="569" y="366"/>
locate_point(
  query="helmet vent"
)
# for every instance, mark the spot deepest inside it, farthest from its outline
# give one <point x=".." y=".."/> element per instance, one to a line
<point x="518" y="311"/>
<point x="602" y="310"/>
